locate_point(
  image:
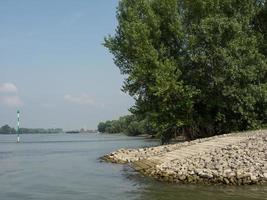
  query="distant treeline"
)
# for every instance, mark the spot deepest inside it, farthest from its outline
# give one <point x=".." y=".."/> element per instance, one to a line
<point x="6" y="129"/>
<point x="129" y="125"/>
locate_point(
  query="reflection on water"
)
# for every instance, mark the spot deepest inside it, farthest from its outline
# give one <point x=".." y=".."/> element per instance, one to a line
<point x="67" y="167"/>
<point x="184" y="192"/>
<point x="151" y="189"/>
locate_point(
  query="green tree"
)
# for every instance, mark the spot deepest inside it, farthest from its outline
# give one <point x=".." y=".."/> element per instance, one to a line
<point x="6" y="129"/>
<point x="129" y="125"/>
<point x="101" y="127"/>
<point x="193" y="66"/>
<point x="226" y="65"/>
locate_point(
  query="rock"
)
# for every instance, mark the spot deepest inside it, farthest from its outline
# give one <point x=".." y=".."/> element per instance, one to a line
<point x="239" y="174"/>
<point x="226" y="181"/>
<point x="253" y="178"/>
<point x="231" y="174"/>
<point x="241" y="162"/>
<point x="233" y="180"/>
<point x="182" y="177"/>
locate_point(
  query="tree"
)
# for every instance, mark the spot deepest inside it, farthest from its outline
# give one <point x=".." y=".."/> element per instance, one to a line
<point x="101" y="127"/>
<point x="226" y="65"/>
<point x="6" y="129"/>
<point x="130" y="125"/>
<point x="197" y="67"/>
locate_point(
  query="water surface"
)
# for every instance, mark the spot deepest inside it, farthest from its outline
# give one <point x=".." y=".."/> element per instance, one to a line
<point x="66" y="167"/>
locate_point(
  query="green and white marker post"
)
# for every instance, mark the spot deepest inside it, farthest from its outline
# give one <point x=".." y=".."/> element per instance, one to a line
<point x="18" y="126"/>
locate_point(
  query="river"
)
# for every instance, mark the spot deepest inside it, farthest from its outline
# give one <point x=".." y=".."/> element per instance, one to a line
<point x="67" y="167"/>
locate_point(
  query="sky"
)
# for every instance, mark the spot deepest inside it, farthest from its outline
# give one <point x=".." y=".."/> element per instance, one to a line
<point x="53" y="66"/>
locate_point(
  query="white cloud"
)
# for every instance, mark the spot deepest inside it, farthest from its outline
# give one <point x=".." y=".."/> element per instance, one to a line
<point x="8" y="95"/>
<point x="81" y="99"/>
<point x="11" y="101"/>
<point x="8" y="88"/>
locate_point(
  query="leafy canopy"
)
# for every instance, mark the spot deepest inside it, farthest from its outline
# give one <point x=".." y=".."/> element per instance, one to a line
<point x="194" y="66"/>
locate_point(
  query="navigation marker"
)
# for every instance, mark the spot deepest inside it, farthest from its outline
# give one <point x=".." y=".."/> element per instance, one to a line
<point x="18" y="127"/>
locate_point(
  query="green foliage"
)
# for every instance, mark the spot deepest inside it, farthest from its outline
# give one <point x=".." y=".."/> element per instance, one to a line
<point x="6" y="129"/>
<point x="129" y="125"/>
<point x="194" y="66"/>
<point x="40" y="130"/>
<point x="101" y="127"/>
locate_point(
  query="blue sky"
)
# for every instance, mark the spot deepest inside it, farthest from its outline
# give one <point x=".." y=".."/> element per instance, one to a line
<point x="53" y="66"/>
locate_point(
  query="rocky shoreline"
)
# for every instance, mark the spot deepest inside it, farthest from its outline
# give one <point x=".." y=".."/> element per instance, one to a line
<point x="232" y="159"/>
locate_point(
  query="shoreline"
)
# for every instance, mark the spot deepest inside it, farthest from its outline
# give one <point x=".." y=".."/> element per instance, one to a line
<point x="231" y="159"/>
